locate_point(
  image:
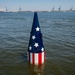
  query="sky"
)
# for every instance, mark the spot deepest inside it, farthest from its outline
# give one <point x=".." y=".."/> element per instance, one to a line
<point x="36" y="5"/>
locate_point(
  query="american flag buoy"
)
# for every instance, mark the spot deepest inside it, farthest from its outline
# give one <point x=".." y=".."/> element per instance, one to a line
<point x="36" y="51"/>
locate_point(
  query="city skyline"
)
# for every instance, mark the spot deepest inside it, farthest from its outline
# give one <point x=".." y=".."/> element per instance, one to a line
<point x="36" y="5"/>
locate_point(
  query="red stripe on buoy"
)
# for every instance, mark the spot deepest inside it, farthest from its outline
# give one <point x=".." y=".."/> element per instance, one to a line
<point x="32" y="58"/>
<point x="39" y="58"/>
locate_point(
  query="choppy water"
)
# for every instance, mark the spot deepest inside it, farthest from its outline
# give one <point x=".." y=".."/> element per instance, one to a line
<point x="58" y="31"/>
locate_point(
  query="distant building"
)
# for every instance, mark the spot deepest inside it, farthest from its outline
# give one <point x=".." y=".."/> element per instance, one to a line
<point x="1" y="10"/>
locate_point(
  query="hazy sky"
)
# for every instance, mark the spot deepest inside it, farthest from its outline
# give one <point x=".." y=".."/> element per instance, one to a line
<point x="33" y="5"/>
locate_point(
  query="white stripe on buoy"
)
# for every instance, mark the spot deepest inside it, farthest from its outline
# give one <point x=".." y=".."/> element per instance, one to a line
<point x="42" y="57"/>
<point x="36" y="58"/>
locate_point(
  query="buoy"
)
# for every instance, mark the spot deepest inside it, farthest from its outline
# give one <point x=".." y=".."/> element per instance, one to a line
<point x="36" y="50"/>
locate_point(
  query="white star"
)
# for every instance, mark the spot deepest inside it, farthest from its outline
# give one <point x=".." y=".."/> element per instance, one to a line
<point x="36" y="45"/>
<point x="33" y="37"/>
<point x="42" y="49"/>
<point x="30" y="48"/>
<point x="37" y="29"/>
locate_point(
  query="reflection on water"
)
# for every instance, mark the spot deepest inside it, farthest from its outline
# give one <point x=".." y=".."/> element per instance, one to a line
<point x="37" y="69"/>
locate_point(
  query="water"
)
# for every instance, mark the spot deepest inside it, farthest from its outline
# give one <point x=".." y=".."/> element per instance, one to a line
<point x="58" y="29"/>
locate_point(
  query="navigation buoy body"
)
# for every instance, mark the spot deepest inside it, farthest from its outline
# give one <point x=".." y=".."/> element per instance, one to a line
<point x="36" y="50"/>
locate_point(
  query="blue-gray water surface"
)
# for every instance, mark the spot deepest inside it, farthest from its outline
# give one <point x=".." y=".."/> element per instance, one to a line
<point x="58" y="29"/>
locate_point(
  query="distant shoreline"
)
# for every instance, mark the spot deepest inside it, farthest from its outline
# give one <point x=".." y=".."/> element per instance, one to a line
<point x="39" y="11"/>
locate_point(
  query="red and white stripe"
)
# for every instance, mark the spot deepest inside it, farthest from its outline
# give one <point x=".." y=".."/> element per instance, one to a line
<point x="36" y="58"/>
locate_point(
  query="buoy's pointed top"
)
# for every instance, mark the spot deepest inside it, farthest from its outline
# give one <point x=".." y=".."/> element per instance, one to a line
<point x="35" y="16"/>
<point x="35" y="20"/>
<point x="35" y="13"/>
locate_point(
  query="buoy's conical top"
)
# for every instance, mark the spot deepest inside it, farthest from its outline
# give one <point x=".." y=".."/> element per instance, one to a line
<point x="35" y="43"/>
<point x="35" y="22"/>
